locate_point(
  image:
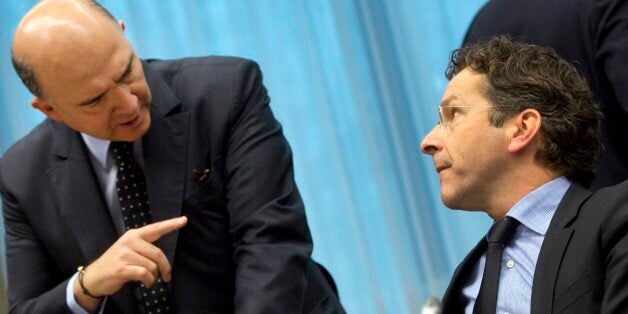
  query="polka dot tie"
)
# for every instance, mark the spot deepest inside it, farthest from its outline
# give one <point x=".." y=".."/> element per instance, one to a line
<point x="131" y="188"/>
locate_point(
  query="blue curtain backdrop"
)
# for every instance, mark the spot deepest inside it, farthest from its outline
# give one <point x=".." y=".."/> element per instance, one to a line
<point x="355" y="85"/>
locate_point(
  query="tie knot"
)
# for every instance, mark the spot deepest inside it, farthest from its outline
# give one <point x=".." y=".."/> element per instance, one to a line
<point x="121" y="151"/>
<point x="503" y="230"/>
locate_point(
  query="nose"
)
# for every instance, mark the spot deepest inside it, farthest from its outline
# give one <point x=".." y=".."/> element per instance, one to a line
<point x="432" y="142"/>
<point x="126" y="100"/>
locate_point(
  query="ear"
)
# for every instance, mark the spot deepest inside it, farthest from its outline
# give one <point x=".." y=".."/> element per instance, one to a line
<point x="43" y="106"/>
<point x="121" y="24"/>
<point x="523" y="129"/>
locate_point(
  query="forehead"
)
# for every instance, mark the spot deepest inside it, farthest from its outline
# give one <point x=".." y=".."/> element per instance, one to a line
<point x="86" y="68"/>
<point x="467" y="85"/>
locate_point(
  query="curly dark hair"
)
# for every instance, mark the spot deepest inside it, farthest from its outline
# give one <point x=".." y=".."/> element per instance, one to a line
<point x="520" y="76"/>
<point x="25" y="71"/>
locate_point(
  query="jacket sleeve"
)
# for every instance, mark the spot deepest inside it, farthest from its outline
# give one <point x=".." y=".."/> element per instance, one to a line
<point x="615" y="247"/>
<point x="271" y="239"/>
<point x="35" y="285"/>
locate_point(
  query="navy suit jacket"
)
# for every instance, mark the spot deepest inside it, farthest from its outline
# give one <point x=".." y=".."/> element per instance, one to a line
<point x="591" y="34"/>
<point x="246" y="247"/>
<point x="583" y="263"/>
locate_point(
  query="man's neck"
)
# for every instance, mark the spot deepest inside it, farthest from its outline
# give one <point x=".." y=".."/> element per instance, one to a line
<point x="522" y="184"/>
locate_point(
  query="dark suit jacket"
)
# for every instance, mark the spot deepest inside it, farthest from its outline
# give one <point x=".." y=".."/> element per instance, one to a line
<point x="246" y="247"/>
<point x="583" y="262"/>
<point x="591" y="34"/>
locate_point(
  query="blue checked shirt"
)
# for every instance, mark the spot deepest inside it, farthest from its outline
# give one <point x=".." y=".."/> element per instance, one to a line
<point x="534" y="212"/>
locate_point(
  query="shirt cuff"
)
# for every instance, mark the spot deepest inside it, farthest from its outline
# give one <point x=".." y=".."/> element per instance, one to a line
<point x="74" y="307"/>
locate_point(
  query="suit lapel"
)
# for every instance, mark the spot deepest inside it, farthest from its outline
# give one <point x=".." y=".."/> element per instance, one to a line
<point x="552" y="251"/>
<point x="80" y="200"/>
<point x="165" y="155"/>
<point x="453" y="301"/>
<point x="81" y="203"/>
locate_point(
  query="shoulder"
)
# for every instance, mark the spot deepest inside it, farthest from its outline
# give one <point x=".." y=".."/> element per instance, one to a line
<point x="210" y="79"/>
<point x="29" y="155"/>
<point x="202" y="61"/>
<point x="613" y="196"/>
<point x="201" y="68"/>
<point x="609" y="206"/>
<point x="215" y="86"/>
<point x="38" y="139"/>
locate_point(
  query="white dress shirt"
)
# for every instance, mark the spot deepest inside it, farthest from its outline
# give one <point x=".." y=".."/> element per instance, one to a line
<point x="534" y="212"/>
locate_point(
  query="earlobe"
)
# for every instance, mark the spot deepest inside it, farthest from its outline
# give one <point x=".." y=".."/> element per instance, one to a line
<point x="43" y="106"/>
<point x="525" y="128"/>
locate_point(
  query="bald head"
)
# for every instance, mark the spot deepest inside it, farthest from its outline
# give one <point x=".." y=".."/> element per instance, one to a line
<point x="53" y="30"/>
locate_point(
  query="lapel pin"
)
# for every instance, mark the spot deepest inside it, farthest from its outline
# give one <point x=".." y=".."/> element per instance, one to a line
<point x="201" y="175"/>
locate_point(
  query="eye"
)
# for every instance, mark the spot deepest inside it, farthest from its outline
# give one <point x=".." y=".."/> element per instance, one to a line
<point x="129" y="77"/>
<point x="91" y="103"/>
<point x="95" y="102"/>
<point x="454" y="112"/>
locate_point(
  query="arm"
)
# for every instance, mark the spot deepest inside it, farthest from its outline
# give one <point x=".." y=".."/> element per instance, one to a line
<point x="615" y="244"/>
<point x="35" y="285"/>
<point x="271" y="239"/>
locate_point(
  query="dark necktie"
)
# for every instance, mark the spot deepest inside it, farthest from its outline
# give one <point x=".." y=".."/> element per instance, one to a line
<point x="497" y="238"/>
<point x="131" y="188"/>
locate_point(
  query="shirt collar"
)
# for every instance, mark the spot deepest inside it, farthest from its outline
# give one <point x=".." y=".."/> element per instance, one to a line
<point x="536" y="209"/>
<point x="98" y="148"/>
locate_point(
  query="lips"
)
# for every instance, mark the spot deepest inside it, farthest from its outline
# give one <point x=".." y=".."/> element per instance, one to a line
<point x="441" y="166"/>
<point x="133" y="122"/>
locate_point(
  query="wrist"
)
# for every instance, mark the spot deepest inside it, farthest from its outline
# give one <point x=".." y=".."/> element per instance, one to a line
<point x="79" y="302"/>
<point x="81" y="274"/>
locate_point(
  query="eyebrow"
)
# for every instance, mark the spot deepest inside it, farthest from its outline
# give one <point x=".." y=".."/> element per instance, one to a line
<point x="127" y="71"/>
<point x="129" y="67"/>
<point x="449" y="99"/>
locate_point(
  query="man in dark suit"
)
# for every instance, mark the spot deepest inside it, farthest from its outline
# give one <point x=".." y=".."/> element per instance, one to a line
<point x="518" y="130"/>
<point x="590" y="34"/>
<point x="187" y="149"/>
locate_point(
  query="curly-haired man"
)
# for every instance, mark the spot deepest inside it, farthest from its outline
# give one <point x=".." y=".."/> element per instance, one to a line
<point x="517" y="139"/>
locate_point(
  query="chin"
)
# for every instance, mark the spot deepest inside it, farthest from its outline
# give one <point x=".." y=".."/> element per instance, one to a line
<point x="143" y="128"/>
<point x="135" y="134"/>
<point x="453" y="201"/>
<point x="447" y="196"/>
<point x="449" y="204"/>
<point x="458" y="202"/>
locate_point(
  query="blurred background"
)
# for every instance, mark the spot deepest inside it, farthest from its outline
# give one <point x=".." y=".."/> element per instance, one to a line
<point x="355" y="84"/>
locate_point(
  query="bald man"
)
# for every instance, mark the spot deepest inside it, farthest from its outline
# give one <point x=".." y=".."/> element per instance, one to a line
<point x="191" y="143"/>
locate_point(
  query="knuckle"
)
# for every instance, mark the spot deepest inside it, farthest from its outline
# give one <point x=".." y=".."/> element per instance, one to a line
<point x="131" y="234"/>
<point x="118" y="268"/>
<point x="143" y="273"/>
<point x="156" y="253"/>
<point x="152" y="268"/>
<point x="125" y="254"/>
<point x="128" y="237"/>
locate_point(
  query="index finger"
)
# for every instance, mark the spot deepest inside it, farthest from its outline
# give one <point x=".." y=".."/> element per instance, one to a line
<point x="154" y="231"/>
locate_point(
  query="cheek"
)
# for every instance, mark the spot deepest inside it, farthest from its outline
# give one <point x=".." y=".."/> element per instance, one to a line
<point x="144" y="97"/>
<point x="100" y="121"/>
<point x="467" y="153"/>
<point x="140" y="89"/>
<point x="459" y="149"/>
